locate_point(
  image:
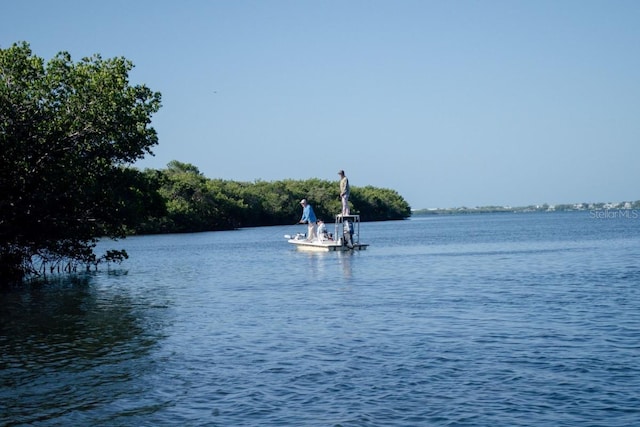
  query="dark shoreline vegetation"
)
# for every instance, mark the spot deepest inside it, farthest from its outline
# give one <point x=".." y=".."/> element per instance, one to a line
<point x="185" y="201"/>
<point x="69" y="132"/>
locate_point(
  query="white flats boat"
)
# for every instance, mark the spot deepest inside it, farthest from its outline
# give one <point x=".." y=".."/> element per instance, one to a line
<point x="346" y="237"/>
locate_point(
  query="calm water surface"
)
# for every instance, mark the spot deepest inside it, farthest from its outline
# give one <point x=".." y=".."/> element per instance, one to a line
<point x="482" y="320"/>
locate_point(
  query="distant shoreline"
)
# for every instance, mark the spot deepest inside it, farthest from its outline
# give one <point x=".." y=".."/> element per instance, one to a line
<point x="575" y="207"/>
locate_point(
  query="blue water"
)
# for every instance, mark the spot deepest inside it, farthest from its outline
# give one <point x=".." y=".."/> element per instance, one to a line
<point x="478" y="320"/>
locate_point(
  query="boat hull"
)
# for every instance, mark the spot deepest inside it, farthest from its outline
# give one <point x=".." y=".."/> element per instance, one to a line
<point x="330" y="246"/>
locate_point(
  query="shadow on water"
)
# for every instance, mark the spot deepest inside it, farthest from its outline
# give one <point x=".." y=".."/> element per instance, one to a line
<point x="69" y="345"/>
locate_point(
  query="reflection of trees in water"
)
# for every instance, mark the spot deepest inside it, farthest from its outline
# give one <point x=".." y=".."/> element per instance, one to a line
<point x="69" y="346"/>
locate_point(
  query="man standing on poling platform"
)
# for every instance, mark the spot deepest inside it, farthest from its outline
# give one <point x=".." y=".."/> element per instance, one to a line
<point x="344" y="192"/>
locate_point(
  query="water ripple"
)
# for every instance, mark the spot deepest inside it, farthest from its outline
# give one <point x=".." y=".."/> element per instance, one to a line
<point x="484" y="320"/>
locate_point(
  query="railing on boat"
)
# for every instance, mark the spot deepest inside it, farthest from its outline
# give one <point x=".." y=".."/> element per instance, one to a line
<point x="339" y="227"/>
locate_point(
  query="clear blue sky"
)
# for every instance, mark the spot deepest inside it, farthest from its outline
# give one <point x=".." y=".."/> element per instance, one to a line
<point x="450" y="103"/>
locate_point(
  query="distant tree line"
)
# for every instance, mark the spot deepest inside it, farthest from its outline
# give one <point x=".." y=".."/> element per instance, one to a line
<point x="187" y="201"/>
<point x="530" y="208"/>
